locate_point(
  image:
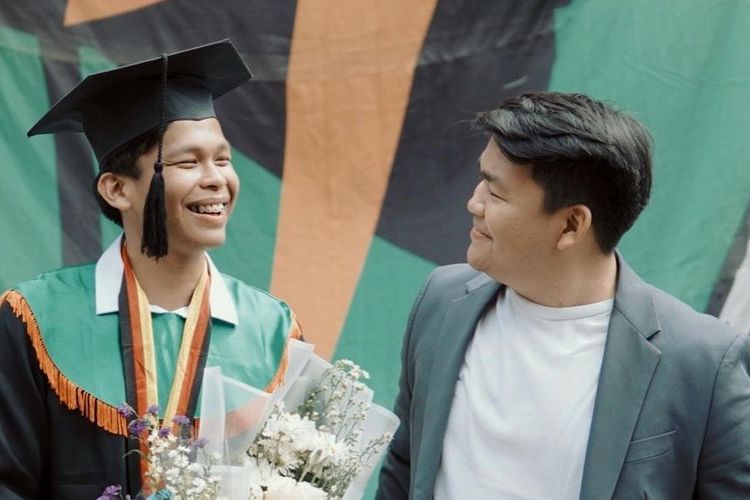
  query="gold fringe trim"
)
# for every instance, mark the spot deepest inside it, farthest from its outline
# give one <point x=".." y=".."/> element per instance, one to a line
<point x="295" y="332"/>
<point x="73" y="397"/>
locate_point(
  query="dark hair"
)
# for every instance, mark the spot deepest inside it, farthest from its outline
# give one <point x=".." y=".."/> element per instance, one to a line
<point x="580" y="151"/>
<point x="123" y="160"/>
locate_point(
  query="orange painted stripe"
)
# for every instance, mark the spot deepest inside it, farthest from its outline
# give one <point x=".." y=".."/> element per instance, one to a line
<point x="350" y="73"/>
<point x="81" y="11"/>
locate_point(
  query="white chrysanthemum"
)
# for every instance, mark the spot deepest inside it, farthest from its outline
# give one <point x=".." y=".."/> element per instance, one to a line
<point x="284" y="488"/>
<point x="260" y="470"/>
<point x="312" y="440"/>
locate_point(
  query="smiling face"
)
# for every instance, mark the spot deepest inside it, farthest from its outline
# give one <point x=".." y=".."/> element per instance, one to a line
<point x="513" y="240"/>
<point x="200" y="184"/>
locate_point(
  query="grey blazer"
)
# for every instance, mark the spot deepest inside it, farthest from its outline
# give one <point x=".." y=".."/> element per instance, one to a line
<point x="672" y="411"/>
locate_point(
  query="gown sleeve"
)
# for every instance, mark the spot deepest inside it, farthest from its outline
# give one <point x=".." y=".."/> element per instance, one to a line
<point x="24" y="430"/>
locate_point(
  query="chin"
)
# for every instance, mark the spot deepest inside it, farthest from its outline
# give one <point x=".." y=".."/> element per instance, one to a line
<point x="476" y="264"/>
<point x="473" y="258"/>
<point x="208" y="241"/>
<point x="215" y="242"/>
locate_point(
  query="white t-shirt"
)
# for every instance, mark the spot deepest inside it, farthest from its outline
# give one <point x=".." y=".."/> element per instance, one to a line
<point x="521" y="414"/>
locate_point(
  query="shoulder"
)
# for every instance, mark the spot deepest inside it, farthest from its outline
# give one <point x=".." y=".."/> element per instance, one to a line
<point x="686" y="332"/>
<point x="60" y="282"/>
<point x="453" y="279"/>
<point x="677" y="315"/>
<point x="458" y="273"/>
<point x="441" y="288"/>
<point x="447" y="283"/>
<point x="239" y="288"/>
<point x="245" y="295"/>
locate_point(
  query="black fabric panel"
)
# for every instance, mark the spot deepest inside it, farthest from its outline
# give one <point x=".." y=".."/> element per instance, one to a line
<point x="732" y="262"/>
<point x="132" y="460"/>
<point x="475" y="55"/>
<point x="195" y="389"/>
<point x="41" y="456"/>
<point x="79" y="213"/>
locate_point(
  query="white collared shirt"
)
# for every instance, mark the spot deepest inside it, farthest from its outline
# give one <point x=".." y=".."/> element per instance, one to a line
<point x="108" y="279"/>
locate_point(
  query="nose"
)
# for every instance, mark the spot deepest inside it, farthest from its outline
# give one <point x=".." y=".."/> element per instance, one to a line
<point x="213" y="177"/>
<point x="475" y="205"/>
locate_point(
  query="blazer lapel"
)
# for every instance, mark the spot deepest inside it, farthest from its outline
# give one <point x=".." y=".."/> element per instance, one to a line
<point x="627" y="367"/>
<point x="451" y="343"/>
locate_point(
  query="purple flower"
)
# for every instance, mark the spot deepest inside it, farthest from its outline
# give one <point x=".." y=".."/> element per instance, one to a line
<point x="199" y="443"/>
<point x="153" y="410"/>
<point x="111" y="492"/>
<point x="136" y="427"/>
<point x="125" y="410"/>
<point x="181" y="420"/>
<point x="164" y="432"/>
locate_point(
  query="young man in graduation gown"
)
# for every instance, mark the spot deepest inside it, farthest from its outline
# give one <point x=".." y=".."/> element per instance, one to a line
<point x="139" y="325"/>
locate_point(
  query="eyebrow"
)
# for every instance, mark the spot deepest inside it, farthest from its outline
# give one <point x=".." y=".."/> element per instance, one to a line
<point x="492" y="178"/>
<point x="224" y="145"/>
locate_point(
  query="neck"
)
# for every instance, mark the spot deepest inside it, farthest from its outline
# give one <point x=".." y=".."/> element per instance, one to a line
<point x="575" y="281"/>
<point x="169" y="282"/>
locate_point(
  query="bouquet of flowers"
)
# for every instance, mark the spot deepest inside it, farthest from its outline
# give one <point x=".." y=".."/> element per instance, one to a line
<point x="316" y="450"/>
<point x="317" y="437"/>
<point x="178" y="467"/>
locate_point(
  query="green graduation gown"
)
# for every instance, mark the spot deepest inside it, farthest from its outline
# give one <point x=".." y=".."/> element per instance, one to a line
<point x="62" y="378"/>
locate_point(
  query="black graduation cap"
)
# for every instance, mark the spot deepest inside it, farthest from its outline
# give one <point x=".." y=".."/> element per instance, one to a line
<point x="112" y="107"/>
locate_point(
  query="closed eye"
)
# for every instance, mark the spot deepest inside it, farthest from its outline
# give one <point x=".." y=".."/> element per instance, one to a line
<point x="489" y="190"/>
<point x="187" y="163"/>
<point x="223" y="162"/>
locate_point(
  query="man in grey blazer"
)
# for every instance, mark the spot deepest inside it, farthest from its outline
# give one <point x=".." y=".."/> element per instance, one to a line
<point x="546" y="368"/>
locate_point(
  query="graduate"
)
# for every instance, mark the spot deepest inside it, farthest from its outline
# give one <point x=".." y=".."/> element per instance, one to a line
<point x="140" y="324"/>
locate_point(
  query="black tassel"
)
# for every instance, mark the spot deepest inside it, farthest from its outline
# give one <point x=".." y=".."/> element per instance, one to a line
<point x="154" y="241"/>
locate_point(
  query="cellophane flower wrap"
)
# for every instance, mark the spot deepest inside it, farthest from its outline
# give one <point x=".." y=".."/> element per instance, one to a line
<point x="318" y="436"/>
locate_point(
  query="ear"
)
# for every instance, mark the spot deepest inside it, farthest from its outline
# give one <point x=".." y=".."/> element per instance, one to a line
<point x="576" y="225"/>
<point x="111" y="187"/>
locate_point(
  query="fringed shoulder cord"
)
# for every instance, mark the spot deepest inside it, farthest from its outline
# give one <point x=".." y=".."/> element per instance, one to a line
<point x="295" y="332"/>
<point x="73" y="397"/>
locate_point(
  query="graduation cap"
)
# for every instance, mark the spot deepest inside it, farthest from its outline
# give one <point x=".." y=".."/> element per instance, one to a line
<point x="115" y="106"/>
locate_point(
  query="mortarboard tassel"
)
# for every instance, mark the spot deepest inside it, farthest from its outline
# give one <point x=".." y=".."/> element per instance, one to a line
<point x="154" y="241"/>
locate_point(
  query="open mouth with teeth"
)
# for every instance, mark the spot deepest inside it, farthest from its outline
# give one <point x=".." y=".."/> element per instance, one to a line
<point x="208" y="209"/>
